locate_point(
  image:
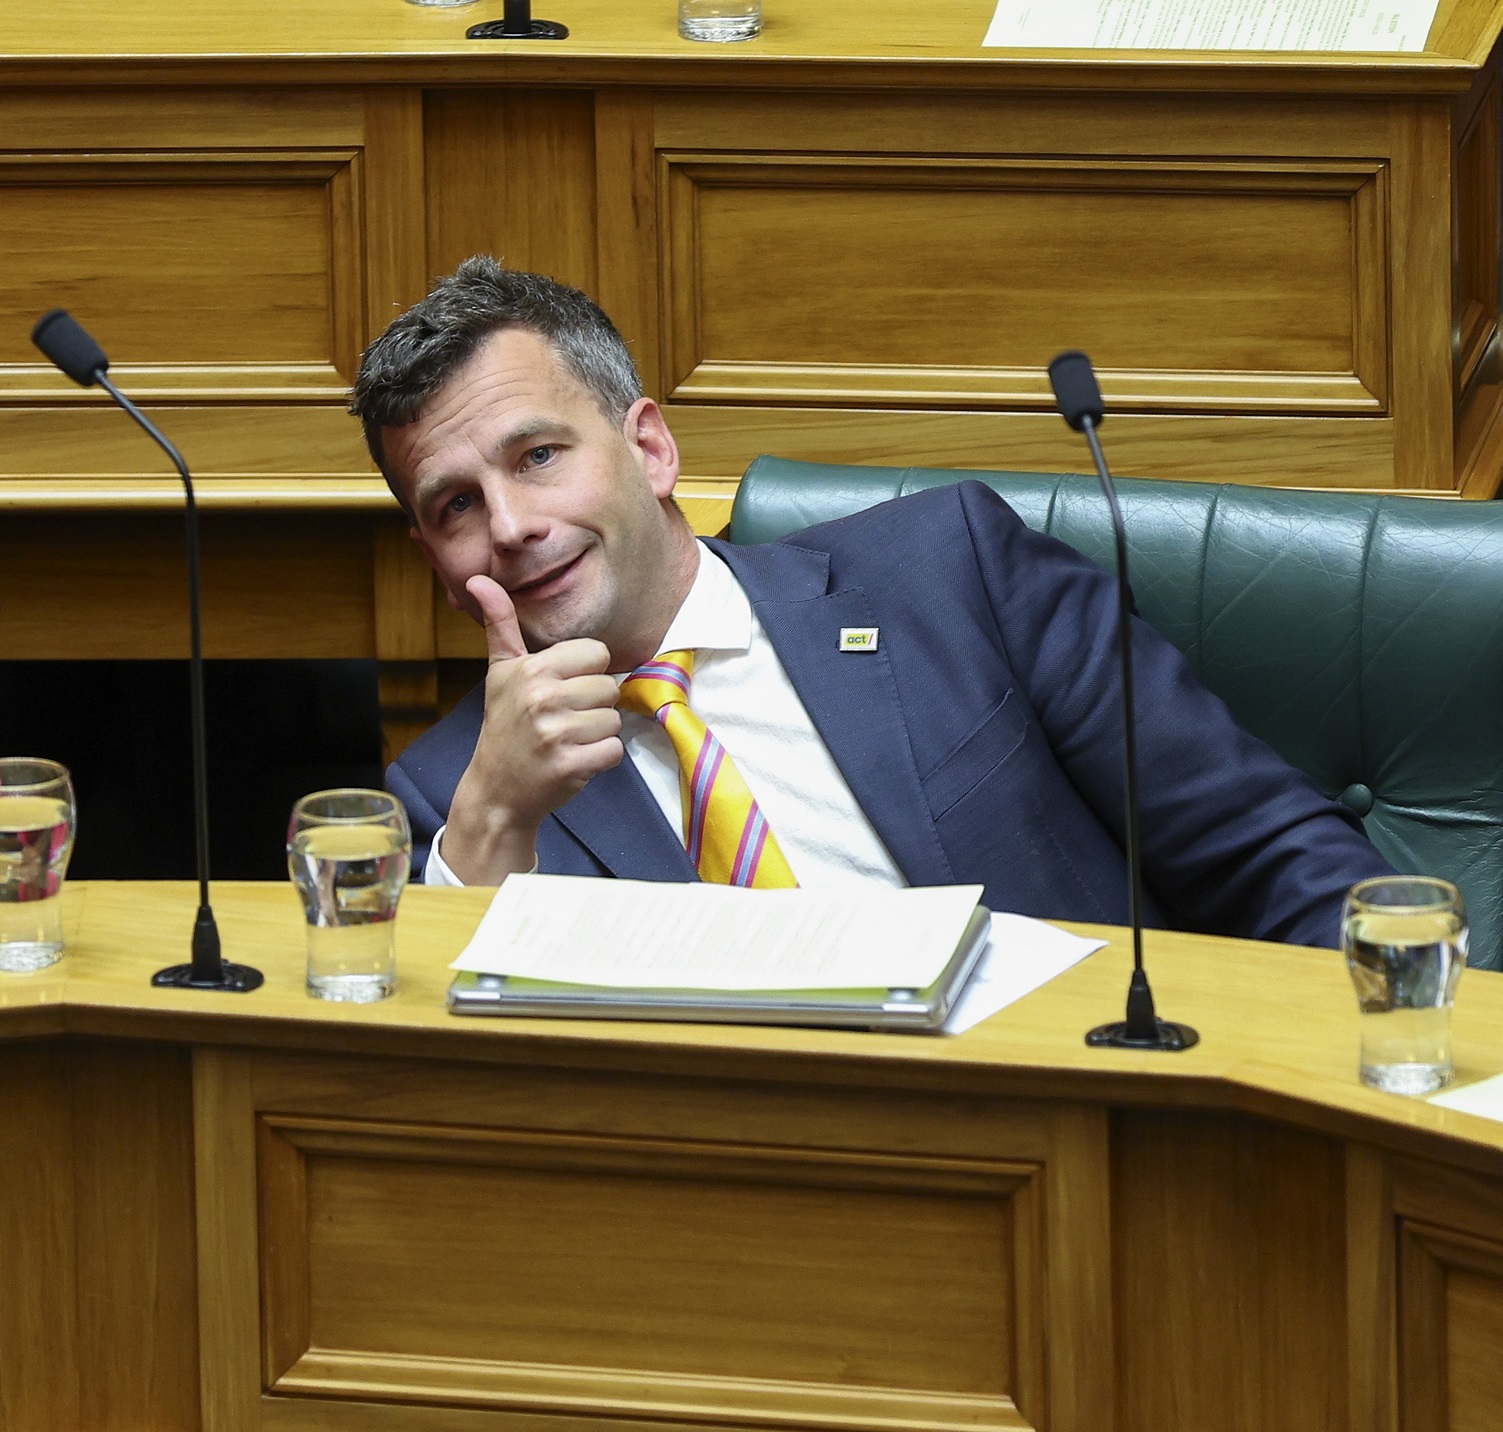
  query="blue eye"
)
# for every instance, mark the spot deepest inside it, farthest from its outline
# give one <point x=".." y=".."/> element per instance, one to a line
<point x="459" y="503"/>
<point x="538" y="456"/>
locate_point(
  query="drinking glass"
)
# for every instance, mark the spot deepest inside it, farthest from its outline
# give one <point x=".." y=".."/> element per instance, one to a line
<point x="349" y="852"/>
<point x="720" y="19"/>
<point x="1405" y="939"/>
<point x="37" y="819"/>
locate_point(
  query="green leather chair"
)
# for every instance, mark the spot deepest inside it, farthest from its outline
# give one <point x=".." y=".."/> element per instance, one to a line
<point x="1360" y="636"/>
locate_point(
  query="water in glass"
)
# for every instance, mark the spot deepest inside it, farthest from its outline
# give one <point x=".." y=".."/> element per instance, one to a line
<point x="36" y="839"/>
<point x="1405" y="943"/>
<point x="720" y="20"/>
<point x="350" y="876"/>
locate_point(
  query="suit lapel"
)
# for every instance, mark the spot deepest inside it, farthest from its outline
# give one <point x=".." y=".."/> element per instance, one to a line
<point x="852" y="697"/>
<point x="616" y="819"/>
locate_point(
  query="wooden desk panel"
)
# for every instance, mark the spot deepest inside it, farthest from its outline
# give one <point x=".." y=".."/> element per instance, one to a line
<point x="407" y="1220"/>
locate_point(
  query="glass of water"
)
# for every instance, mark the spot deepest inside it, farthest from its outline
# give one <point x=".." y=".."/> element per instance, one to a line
<point x="37" y="819"/>
<point x="349" y="853"/>
<point x="1405" y="940"/>
<point x="720" y="20"/>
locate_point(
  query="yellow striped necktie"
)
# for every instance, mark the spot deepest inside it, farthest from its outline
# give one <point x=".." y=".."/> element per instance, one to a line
<point x="725" y="832"/>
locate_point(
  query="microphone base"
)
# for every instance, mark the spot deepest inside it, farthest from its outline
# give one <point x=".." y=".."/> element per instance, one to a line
<point x="1164" y="1035"/>
<point x="232" y="979"/>
<point x="500" y="30"/>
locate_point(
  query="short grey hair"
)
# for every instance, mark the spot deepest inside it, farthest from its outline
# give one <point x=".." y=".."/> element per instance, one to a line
<point x="424" y="348"/>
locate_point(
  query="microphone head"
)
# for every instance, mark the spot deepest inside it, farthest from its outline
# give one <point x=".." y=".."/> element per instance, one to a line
<point x="1074" y="383"/>
<point x="67" y="345"/>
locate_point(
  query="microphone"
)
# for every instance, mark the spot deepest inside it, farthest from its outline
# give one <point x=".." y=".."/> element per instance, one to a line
<point x="1079" y="400"/>
<point x="71" y="349"/>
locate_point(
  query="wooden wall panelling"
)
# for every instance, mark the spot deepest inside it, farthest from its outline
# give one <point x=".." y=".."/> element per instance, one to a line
<point x="39" y="1334"/>
<point x="628" y="262"/>
<point x="1371" y="1298"/>
<point x="1477" y="240"/>
<point x="98" y="1322"/>
<point x="1278" y="452"/>
<point x="294" y="585"/>
<point x="1082" y="1388"/>
<point x="511" y="172"/>
<point x="649" y="1247"/>
<point x="802" y="239"/>
<point x="538" y="1271"/>
<point x="137" y="1257"/>
<point x="1449" y="1229"/>
<point x="406" y="648"/>
<point x="1423" y="403"/>
<point x="1213" y="287"/>
<point x="1229" y="1275"/>
<point x="394" y="219"/>
<point x="1475" y="201"/>
<point x="230" y="249"/>
<point x="224" y="1145"/>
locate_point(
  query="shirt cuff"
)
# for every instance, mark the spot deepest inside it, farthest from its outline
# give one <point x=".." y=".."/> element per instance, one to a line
<point x="435" y="872"/>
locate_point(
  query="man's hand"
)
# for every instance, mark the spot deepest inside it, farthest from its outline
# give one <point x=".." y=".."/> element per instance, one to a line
<point x="550" y="724"/>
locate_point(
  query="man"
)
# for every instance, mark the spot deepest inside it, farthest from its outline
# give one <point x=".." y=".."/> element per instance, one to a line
<point x="973" y="733"/>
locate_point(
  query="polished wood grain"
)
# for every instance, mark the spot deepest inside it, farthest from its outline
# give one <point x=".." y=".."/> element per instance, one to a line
<point x="404" y="1219"/>
<point x="1220" y="332"/>
<point x="858" y="238"/>
<point x="1244" y="1358"/>
<point x="845" y="36"/>
<point x="136" y="1256"/>
<point x="1253" y="1056"/>
<point x="39" y="1346"/>
<point x="406" y="598"/>
<point x="98" y="1326"/>
<point x="1372" y="1290"/>
<point x="228" y="1248"/>
<point x="273" y="586"/>
<point x="536" y="205"/>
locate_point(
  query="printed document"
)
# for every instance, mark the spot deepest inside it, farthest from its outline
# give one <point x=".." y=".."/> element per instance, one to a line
<point x="1372" y="25"/>
<point x="631" y="934"/>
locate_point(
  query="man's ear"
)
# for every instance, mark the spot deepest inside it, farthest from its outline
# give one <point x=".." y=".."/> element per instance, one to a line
<point x="427" y="552"/>
<point x="647" y="431"/>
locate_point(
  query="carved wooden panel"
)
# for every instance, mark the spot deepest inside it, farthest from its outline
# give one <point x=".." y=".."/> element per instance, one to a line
<point x="535" y="1271"/>
<point x="524" y="1245"/>
<point x="1198" y="286"/>
<point x="230" y="251"/>
<point x="195" y="270"/>
<point x="1449" y="1227"/>
<point x="1477" y="234"/>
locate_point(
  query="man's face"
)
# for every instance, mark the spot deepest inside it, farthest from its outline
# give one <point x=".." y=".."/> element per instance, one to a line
<point x="513" y="472"/>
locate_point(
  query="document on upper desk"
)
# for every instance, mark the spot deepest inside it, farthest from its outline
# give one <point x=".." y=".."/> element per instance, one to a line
<point x="1390" y="26"/>
<point x="629" y="934"/>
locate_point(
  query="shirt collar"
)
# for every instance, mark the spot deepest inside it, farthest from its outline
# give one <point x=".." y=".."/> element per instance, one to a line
<point x="715" y="616"/>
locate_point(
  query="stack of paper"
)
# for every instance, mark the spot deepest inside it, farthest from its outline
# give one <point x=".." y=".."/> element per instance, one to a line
<point x="1391" y="26"/>
<point x="639" y="935"/>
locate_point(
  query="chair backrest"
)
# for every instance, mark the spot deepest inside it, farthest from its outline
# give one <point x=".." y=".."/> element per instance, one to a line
<point x="1360" y="636"/>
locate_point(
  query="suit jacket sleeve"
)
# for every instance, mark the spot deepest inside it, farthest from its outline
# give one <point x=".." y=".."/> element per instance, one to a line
<point x="1234" y="839"/>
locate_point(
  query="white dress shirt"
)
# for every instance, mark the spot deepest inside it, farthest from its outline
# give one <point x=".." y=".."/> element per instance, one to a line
<point x="741" y="692"/>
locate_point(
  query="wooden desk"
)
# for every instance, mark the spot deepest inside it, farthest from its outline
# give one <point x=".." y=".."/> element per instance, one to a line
<point x="858" y="238"/>
<point x="231" y="1212"/>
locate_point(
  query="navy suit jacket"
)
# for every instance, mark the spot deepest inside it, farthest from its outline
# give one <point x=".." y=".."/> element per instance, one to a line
<point x="983" y="736"/>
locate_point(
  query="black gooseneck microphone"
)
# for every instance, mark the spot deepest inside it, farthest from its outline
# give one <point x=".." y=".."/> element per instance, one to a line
<point x="68" y="346"/>
<point x="1079" y="400"/>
